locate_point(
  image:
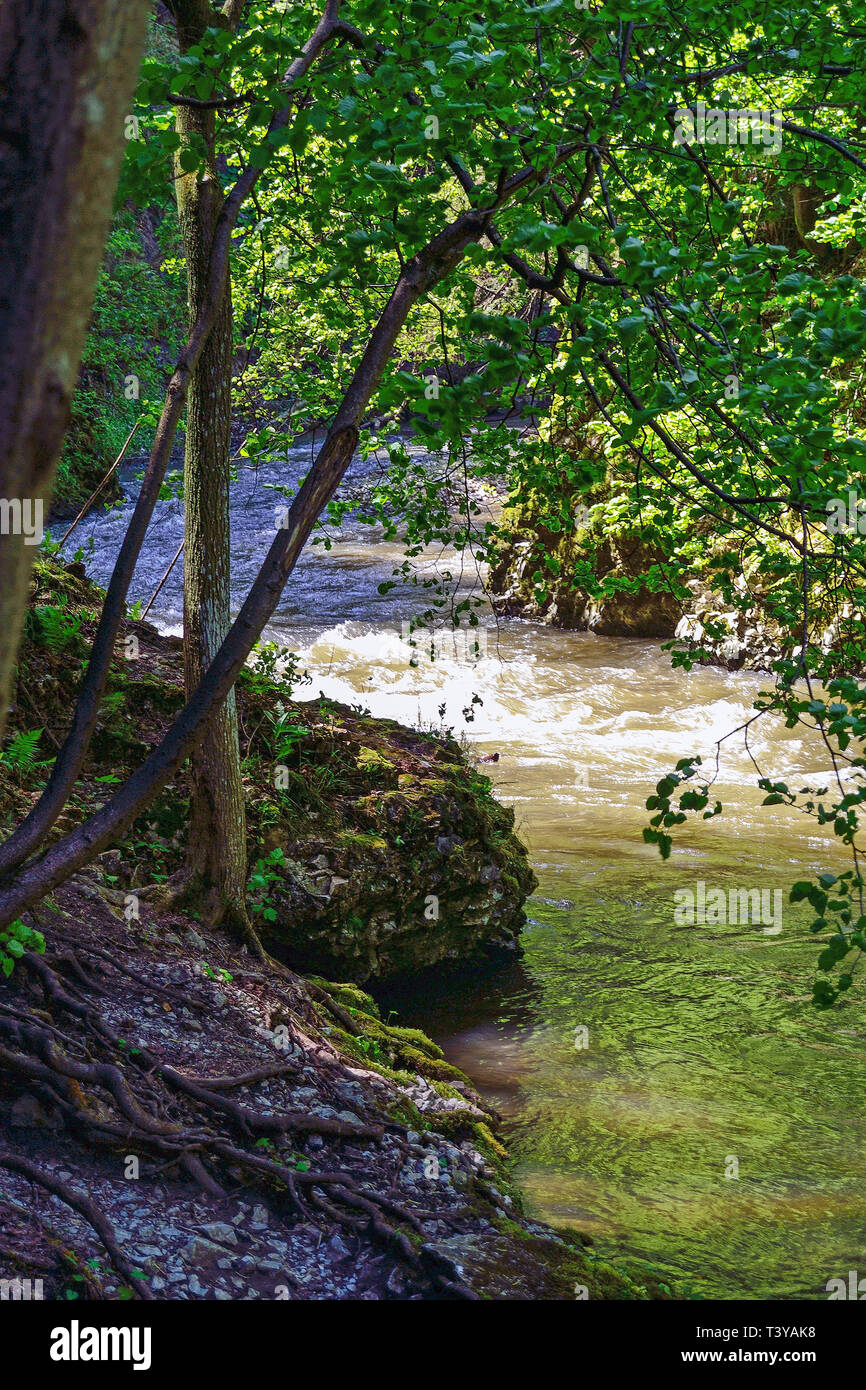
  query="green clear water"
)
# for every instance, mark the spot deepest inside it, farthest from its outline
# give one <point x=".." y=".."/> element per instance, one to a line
<point x="702" y="1049"/>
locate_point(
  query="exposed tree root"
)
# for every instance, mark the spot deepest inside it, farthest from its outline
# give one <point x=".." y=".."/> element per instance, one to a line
<point x="342" y="1015"/>
<point x="186" y="889"/>
<point x="26" y="1260"/>
<point x="129" y="1100"/>
<point x="83" y="1205"/>
<point x="164" y="990"/>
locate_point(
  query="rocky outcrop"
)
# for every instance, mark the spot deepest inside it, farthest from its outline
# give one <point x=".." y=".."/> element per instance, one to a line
<point x="546" y="575"/>
<point x="614" y="583"/>
<point x="423" y="870"/>
<point x="747" y="638"/>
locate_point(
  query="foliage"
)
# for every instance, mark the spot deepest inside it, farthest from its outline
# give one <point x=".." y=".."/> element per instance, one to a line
<point x="272" y="664"/>
<point x="266" y="872"/>
<point x="54" y="627"/>
<point x="14" y="941"/>
<point x="20" y="753"/>
<point x="136" y="331"/>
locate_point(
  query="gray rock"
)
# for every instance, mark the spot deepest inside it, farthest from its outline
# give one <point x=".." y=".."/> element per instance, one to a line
<point x="221" y="1232"/>
<point x="259" y="1218"/>
<point x="28" y="1112"/>
<point x="200" y="1251"/>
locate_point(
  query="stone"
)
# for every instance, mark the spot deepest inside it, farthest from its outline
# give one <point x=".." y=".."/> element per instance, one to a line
<point x="28" y="1112"/>
<point x="221" y="1232"/>
<point x="259" y="1218"/>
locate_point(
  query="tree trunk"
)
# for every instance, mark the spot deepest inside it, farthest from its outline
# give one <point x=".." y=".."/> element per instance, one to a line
<point x="67" y="77"/>
<point x="216" y="854"/>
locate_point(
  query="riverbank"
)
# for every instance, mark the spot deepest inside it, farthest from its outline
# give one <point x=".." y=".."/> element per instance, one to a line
<point x="611" y="581"/>
<point x="199" y="1127"/>
<point x="277" y="1139"/>
<point x="701" y="1043"/>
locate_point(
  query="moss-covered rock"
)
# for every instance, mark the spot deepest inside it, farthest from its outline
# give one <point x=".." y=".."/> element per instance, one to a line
<point x="412" y="864"/>
<point x="634" y="610"/>
<point x="377" y="850"/>
<point x="563" y="565"/>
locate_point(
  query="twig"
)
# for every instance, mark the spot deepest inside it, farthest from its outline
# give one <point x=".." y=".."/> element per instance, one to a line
<point x="155" y="593"/>
<point x="93" y="496"/>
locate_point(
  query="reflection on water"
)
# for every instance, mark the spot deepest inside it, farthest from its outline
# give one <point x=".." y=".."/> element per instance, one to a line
<point x="703" y="1056"/>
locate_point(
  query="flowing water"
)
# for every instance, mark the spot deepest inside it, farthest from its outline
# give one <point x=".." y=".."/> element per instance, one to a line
<point x="667" y="1087"/>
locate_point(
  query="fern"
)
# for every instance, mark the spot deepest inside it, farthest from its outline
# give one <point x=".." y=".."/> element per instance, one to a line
<point x="21" y="753"/>
<point x="56" y="628"/>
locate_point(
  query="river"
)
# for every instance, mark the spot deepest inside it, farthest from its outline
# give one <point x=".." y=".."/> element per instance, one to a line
<point x="668" y="1088"/>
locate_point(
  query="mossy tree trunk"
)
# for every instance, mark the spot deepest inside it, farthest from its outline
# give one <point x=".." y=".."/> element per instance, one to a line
<point x="216" y="861"/>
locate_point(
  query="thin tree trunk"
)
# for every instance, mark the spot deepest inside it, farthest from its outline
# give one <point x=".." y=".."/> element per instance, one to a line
<point x="67" y="77"/>
<point x="216" y="852"/>
<point x="426" y="269"/>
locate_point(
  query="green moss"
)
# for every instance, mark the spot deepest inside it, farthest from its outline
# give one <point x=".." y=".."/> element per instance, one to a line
<point x="352" y="997"/>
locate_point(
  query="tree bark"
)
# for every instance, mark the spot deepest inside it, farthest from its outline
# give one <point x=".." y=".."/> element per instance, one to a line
<point x="67" y="77"/>
<point x="216" y="848"/>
